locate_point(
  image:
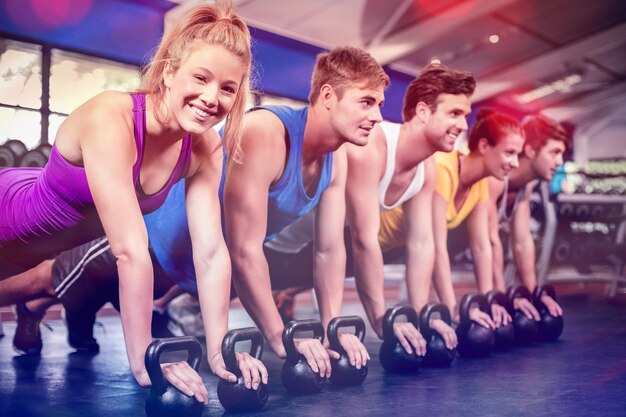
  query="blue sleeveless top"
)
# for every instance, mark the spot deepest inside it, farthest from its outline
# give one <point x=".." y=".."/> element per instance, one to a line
<point x="287" y="201"/>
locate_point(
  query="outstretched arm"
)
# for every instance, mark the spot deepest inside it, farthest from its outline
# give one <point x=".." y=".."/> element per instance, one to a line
<point x="108" y="156"/>
<point x="211" y="260"/>
<point x="524" y="255"/>
<point x="363" y="217"/>
<point x="442" y="270"/>
<point x="480" y="246"/>
<point x="420" y="246"/>
<point x="329" y="252"/>
<point x="496" y="188"/>
<point x="245" y="210"/>
<point x="420" y="251"/>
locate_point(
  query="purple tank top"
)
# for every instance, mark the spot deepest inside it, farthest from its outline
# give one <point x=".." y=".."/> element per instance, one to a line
<point x="50" y="209"/>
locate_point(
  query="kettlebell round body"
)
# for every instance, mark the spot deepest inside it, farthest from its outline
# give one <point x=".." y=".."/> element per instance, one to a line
<point x="343" y="373"/>
<point x="296" y="374"/>
<point x="392" y="355"/>
<point x="526" y="329"/>
<point x="474" y="339"/>
<point x="165" y="399"/>
<point x="234" y="396"/>
<point x="172" y="402"/>
<point x="437" y="354"/>
<point x="504" y="335"/>
<point x="550" y="327"/>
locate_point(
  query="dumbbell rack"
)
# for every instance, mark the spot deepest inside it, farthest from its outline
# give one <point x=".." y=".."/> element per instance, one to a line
<point x="583" y="210"/>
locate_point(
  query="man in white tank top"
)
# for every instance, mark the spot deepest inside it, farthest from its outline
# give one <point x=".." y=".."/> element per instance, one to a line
<point x="509" y="202"/>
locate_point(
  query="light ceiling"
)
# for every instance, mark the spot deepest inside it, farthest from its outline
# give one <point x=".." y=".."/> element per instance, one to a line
<point x="540" y="42"/>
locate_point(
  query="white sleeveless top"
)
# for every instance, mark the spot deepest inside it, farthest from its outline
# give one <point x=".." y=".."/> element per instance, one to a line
<point x="392" y="135"/>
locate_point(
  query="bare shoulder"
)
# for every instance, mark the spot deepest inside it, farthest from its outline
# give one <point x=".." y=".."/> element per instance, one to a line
<point x="107" y="108"/>
<point x="496" y="187"/>
<point x="262" y="123"/>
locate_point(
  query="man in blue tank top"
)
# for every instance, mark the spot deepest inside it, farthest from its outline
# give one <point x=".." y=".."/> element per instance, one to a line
<point x="292" y="161"/>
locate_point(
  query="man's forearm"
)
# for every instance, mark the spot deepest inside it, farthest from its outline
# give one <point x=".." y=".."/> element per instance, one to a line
<point x="328" y="279"/>
<point x="369" y="277"/>
<point x="419" y="273"/>
<point x="252" y="283"/>
<point x="524" y="252"/>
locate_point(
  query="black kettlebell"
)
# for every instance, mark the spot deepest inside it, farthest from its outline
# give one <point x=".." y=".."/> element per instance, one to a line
<point x="165" y="399"/>
<point x="525" y="329"/>
<point x="505" y="335"/>
<point x="474" y="339"/>
<point x="234" y="396"/>
<point x="344" y="374"/>
<point x="296" y="375"/>
<point x="437" y="354"/>
<point x="550" y="327"/>
<point x="392" y="355"/>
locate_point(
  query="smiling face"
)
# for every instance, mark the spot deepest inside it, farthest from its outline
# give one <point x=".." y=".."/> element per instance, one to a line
<point x="546" y="160"/>
<point x="503" y="157"/>
<point x="202" y="91"/>
<point x="445" y="124"/>
<point x="355" y="114"/>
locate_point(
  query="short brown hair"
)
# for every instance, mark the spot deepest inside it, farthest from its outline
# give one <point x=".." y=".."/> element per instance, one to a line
<point x="343" y="67"/>
<point x="433" y="81"/>
<point x="539" y="129"/>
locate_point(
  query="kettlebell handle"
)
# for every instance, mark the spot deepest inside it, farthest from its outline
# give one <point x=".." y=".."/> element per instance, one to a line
<point x="519" y="291"/>
<point x="172" y="344"/>
<point x="345" y="321"/>
<point x="467" y="301"/>
<point x="540" y="290"/>
<point x="238" y="335"/>
<point x="392" y="314"/>
<point x="300" y="326"/>
<point x="498" y="297"/>
<point x="427" y="311"/>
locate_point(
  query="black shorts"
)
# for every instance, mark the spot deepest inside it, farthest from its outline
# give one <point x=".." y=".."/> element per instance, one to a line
<point x="288" y="270"/>
<point x="90" y="270"/>
<point x="93" y="259"/>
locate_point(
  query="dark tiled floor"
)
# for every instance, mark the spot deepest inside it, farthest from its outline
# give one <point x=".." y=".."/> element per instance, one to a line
<point x="582" y="374"/>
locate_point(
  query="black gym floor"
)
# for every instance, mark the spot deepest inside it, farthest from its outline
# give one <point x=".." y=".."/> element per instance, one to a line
<point x="583" y="374"/>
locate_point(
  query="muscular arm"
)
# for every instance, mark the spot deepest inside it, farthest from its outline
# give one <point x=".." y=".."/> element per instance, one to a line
<point x="480" y="247"/>
<point x="364" y="221"/>
<point x="245" y="207"/>
<point x="420" y="247"/>
<point x="495" y="190"/>
<point x="329" y="253"/>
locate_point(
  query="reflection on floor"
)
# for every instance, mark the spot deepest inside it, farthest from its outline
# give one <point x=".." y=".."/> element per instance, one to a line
<point x="582" y="374"/>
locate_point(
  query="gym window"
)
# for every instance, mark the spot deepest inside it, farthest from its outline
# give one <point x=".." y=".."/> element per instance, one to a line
<point x="40" y="86"/>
